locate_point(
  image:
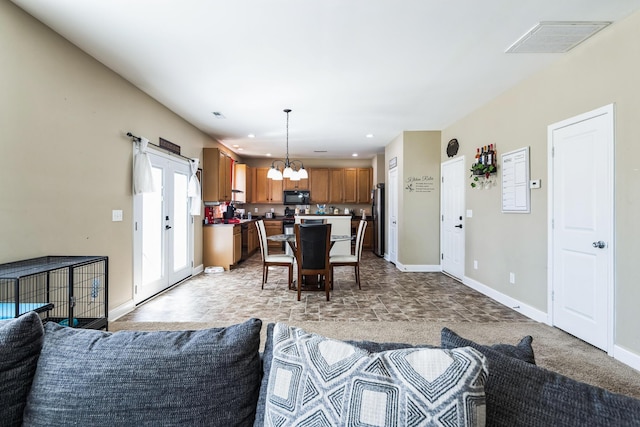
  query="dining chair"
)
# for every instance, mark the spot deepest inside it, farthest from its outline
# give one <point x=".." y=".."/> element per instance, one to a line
<point x="313" y="243"/>
<point x="351" y="260"/>
<point x="268" y="260"/>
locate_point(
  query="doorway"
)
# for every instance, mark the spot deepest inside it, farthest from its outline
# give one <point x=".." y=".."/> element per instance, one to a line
<point x="392" y="225"/>
<point x="581" y="226"/>
<point x="452" y="242"/>
<point x="163" y="229"/>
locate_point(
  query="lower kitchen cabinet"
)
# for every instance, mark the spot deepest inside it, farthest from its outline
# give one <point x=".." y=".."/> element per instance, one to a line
<point x="222" y="245"/>
<point x="273" y="227"/>
<point x="367" y="241"/>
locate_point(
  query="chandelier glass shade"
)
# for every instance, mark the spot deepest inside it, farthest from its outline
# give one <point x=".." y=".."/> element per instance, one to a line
<point x="291" y="170"/>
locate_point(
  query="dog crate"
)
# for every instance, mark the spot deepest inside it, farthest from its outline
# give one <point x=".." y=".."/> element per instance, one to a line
<point x="69" y="290"/>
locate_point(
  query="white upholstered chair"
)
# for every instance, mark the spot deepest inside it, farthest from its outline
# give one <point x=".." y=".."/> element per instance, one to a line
<point x="268" y="260"/>
<point x="351" y="260"/>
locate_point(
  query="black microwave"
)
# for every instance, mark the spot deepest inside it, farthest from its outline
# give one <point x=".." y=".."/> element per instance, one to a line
<point x="296" y="197"/>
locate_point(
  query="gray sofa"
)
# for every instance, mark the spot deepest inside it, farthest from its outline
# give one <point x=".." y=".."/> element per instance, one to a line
<point x="57" y="376"/>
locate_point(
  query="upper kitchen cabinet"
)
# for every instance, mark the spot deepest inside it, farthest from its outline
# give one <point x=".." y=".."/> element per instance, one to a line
<point x="365" y="185"/>
<point x="319" y="185"/>
<point x="303" y="184"/>
<point x="243" y="183"/>
<point x="266" y="190"/>
<point x="216" y="185"/>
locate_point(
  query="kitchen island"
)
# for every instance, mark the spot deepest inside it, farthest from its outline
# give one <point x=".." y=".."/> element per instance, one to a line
<point x="340" y="224"/>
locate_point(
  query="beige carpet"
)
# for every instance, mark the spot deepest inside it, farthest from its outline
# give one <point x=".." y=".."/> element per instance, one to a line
<point x="554" y="349"/>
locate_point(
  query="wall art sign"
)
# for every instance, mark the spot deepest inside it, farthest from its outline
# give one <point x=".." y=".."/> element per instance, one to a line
<point x="420" y="184"/>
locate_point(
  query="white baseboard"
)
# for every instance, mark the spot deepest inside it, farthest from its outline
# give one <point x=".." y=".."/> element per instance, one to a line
<point x="197" y="270"/>
<point x="419" y="268"/>
<point x="527" y="310"/>
<point x="121" y="310"/>
<point x="627" y="357"/>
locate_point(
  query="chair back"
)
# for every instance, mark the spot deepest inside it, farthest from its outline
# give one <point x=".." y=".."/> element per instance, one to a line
<point x="314" y="243"/>
<point x="262" y="236"/>
<point x="313" y="221"/>
<point x="360" y="238"/>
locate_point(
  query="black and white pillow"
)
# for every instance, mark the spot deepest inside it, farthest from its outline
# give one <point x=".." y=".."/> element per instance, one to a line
<point x="319" y="381"/>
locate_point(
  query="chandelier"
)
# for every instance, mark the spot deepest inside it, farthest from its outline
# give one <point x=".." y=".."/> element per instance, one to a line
<point x="290" y="171"/>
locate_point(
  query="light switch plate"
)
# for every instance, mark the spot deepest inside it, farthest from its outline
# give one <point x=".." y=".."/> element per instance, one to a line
<point x="116" y="215"/>
<point x="469" y="213"/>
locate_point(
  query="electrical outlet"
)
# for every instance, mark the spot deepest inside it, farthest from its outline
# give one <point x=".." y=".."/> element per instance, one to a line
<point x="512" y="278"/>
<point x="116" y="215"/>
<point x="256" y="210"/>
<point x="475" y="264"/>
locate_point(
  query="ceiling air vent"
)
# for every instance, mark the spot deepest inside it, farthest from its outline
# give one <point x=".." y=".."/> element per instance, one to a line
<point x="218" y="115"/>
<point x="556" y="36"/>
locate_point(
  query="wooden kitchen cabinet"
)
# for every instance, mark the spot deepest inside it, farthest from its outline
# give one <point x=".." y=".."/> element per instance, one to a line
<point x="273" y="227"/>
<point x="365" y="185"/>
<point x="267" y="190"/>
<point x="336" y="185"/>
<point x="222" y="245"/>
<point x="367" y="241"/>
<point x="252" y="238"/>
<point x="319" y="185"/>
<point x="216" y="184"/>
<point x="350" y="185"/>
<point x="303" y="184"/>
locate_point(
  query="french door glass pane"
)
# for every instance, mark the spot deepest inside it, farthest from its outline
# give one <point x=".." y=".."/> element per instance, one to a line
<point x="180" y="221"/>
<point x="152" y="231"/>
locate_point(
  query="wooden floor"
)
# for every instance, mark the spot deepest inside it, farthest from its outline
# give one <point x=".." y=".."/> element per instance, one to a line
<point x="386" y="295"/>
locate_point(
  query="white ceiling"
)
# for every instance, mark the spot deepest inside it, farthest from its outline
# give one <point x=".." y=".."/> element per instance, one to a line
<point x="347" y="68"/>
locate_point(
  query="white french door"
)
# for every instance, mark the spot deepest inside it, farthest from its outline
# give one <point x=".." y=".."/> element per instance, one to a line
<point x="452" y="217"/>
<point x="581" y="227"/>
<point x="163" y="229"/>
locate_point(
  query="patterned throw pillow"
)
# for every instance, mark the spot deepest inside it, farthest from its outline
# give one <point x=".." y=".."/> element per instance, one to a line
<point x="322" y="382"/>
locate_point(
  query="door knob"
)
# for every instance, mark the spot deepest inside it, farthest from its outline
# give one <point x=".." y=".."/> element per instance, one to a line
<point x="458" y="226"/>
<point x="599" y="244"/>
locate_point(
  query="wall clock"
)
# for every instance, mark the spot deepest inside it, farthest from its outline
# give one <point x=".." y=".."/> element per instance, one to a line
<point x="452" y="147"/>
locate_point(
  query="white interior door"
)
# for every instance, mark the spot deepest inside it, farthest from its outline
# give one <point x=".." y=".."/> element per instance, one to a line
<point x="452" y="217"/>
<point x="392" y="225"/>
<point x="163" y="229"/>
<point x="581" y="214"/>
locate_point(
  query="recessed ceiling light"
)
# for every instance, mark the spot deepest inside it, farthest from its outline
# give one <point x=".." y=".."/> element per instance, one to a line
<point x="235" y="146"/>
<point x="240" y="149"/>
<point x="251" y="135"/>
<point x="556" y="36"/>
<point x="369" y="135"/>
<point x="268" y="154"/>
<point x="354" y="155"/>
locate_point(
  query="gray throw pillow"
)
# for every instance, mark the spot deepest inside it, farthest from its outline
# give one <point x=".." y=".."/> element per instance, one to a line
<point x="88" y="377"/>
<point x="522" y="394"/>
<point x="20" y="345"/>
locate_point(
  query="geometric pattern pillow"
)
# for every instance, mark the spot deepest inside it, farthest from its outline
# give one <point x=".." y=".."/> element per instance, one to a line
<point x="316" y="381"/>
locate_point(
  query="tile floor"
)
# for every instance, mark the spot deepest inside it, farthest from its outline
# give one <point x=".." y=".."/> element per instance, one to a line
<point x="387" y="295"/>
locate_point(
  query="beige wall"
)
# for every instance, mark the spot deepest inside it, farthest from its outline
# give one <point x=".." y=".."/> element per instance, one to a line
<point x="65" y="161"/>
<point x="601" y="71"/>
<point x="418" y="161"/>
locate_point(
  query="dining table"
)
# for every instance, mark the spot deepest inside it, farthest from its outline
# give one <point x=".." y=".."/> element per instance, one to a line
<point x="310" y="282"/>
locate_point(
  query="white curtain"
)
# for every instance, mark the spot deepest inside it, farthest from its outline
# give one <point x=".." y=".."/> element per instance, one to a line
<point x="194" y="189"/>
<point x="142" y="173"/>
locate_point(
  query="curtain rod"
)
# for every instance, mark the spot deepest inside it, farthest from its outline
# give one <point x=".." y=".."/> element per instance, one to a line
<point x="138" y="139"/>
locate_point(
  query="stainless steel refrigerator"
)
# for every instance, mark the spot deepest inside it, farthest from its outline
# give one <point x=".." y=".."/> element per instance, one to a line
<point x="377" y="211"/>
